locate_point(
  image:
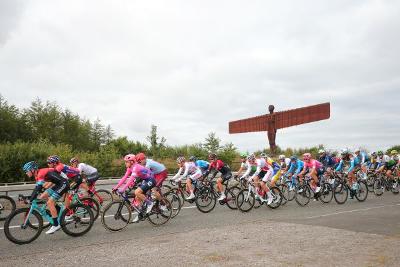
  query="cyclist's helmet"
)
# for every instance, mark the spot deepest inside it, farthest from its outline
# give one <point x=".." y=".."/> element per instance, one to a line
<point x="251" y="157"/>
<point x="243" y="155"/>
<point x="293" y="158"/>
<point x="74" y="160"/>
<point x="344" y="152"/>
<point x="306" y="156"/>
<point x="31" y="165"/>
<point x="53" y="159"/>
<point x="373" y="154"/>
<point x="212" y="156"/>
<point x="393" y="152"/>
<point x="380" y="153"/>
<point x="140" y="157"/>
<point x="396" y="157"/>
<point x="357" y="150"/>
<point x="263" y="155"/>
<point x="192" y="158"/>
<point x="321" y="151"/>
<point x="129" y="157"/>
<point x="180" y="160"/>
<point x="282" y="157"/>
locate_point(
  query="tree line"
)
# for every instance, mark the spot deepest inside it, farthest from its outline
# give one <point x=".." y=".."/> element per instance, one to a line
<point x="45" y="129"/>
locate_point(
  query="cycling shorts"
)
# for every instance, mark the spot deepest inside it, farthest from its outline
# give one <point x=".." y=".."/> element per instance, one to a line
<point x="148" y="184"/>
<point x="75" y="182"/>
<point x="195" y="176"/>
<point x="92" y="178"/>
<point x="57" y="191"/>
<point x="225" y="177"/>
<point x="161" y="177"/>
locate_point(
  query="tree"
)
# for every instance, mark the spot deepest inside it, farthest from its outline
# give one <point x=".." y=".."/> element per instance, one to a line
<point x="155" y="145"/>
<point x="212" y="143"/>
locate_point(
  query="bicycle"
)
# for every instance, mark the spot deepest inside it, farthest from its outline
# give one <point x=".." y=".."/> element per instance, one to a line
<point x="342" y="189"/>
<point x="30" y="221"/>
<point x="120" y="211"/>
<point x="246" y="198"/>
<point x="7" y="207"/>
<point x="382" y="183"/>
<point x="102" y="196"/>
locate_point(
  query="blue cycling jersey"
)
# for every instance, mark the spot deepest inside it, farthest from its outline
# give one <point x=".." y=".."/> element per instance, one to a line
<point x="202" y="164"/>
<point x="354" y="162"/>
<point x="296" y="167"/>
<point x="327" y="161"/>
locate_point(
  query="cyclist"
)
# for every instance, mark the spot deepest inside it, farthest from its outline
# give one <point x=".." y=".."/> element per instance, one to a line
<point x="389" y="167"/>
<point x="284" y="162"/>
<point x="90" y="173"/>
<point x="295" y="167"/>
<point x="190" y="170"/>
<point x="226" y="174"/>
<point x="202" y="164"/>
<point x="327" y="161"/>
<point x="55" y="186"/>
<point x="245" y="165"/>
<point x="364" y="160"/>
<point x="70" y="173"/>
<point x="373" y="162"/>
<point x="159" y="170"/>
<point x="314" y="168"/>
<point x="354" y="165"/>
<point x="141" y="176"/>
<point x="274" y="170"/>
<point x="260" y="173"/>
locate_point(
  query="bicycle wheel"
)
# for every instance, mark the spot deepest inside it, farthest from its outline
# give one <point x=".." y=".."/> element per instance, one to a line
<point x="245" y="200"/>
<point x="362" y="191"/>
<point x="341" y="193"/>
<point x="277" y="197"/>
<point x="303" y="195"/>
<point x="93" y="204"/>
<point x="116" y="215"/>
<point x="370" y="182"/>
<point x="205" y="199"/>
<point x="175" y="202"/>
<point x="17" y="232"/>
<point x="160" y="213"/>
<point x="81" y="222"/>
<point x="284" y="191"/>
<point x="103" y="197"/>
<point x="326" y="193"/>
<point x="394" y="187"/>
<point x="378" y="187"/>
<point x="7" y="206"/>
<point x="231" y="197"/>
<point x="291" y="192"/>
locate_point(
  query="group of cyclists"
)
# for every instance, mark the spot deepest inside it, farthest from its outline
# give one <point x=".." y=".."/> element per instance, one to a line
<point x="146" y="176"/>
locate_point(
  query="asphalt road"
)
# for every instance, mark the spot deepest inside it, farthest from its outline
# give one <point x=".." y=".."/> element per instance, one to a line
<point x="379" y="216"/>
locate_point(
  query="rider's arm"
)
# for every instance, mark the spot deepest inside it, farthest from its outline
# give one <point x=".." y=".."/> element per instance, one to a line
<point x="352" y="165"/>
<point x="248" y="170"/>
<point x="36" y="190"/>
<point x="178" y="174"/>
<point x="340" y="166"/>
<point x="123" y="179"/>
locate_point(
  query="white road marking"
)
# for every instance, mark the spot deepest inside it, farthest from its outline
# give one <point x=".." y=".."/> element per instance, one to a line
<point x="350" y="211"/>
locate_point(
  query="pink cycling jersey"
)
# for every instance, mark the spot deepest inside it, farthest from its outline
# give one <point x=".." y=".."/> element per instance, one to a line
<point x="136" y="171"/>
<point x="313" y="164"/>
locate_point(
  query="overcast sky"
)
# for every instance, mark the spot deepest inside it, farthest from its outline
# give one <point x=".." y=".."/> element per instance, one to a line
<point x="190" y="67"/>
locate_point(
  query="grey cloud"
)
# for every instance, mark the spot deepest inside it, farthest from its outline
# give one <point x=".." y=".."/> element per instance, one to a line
<point x="190" y="69"/>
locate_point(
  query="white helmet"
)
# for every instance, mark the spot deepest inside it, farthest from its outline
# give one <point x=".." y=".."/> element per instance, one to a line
<point x="281" y="157"/>
<point x="321" y="151"/>
<point x="357" y="150"/>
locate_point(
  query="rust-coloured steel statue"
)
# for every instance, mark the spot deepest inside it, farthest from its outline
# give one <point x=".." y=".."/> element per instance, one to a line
<point x="283" y="119"/>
